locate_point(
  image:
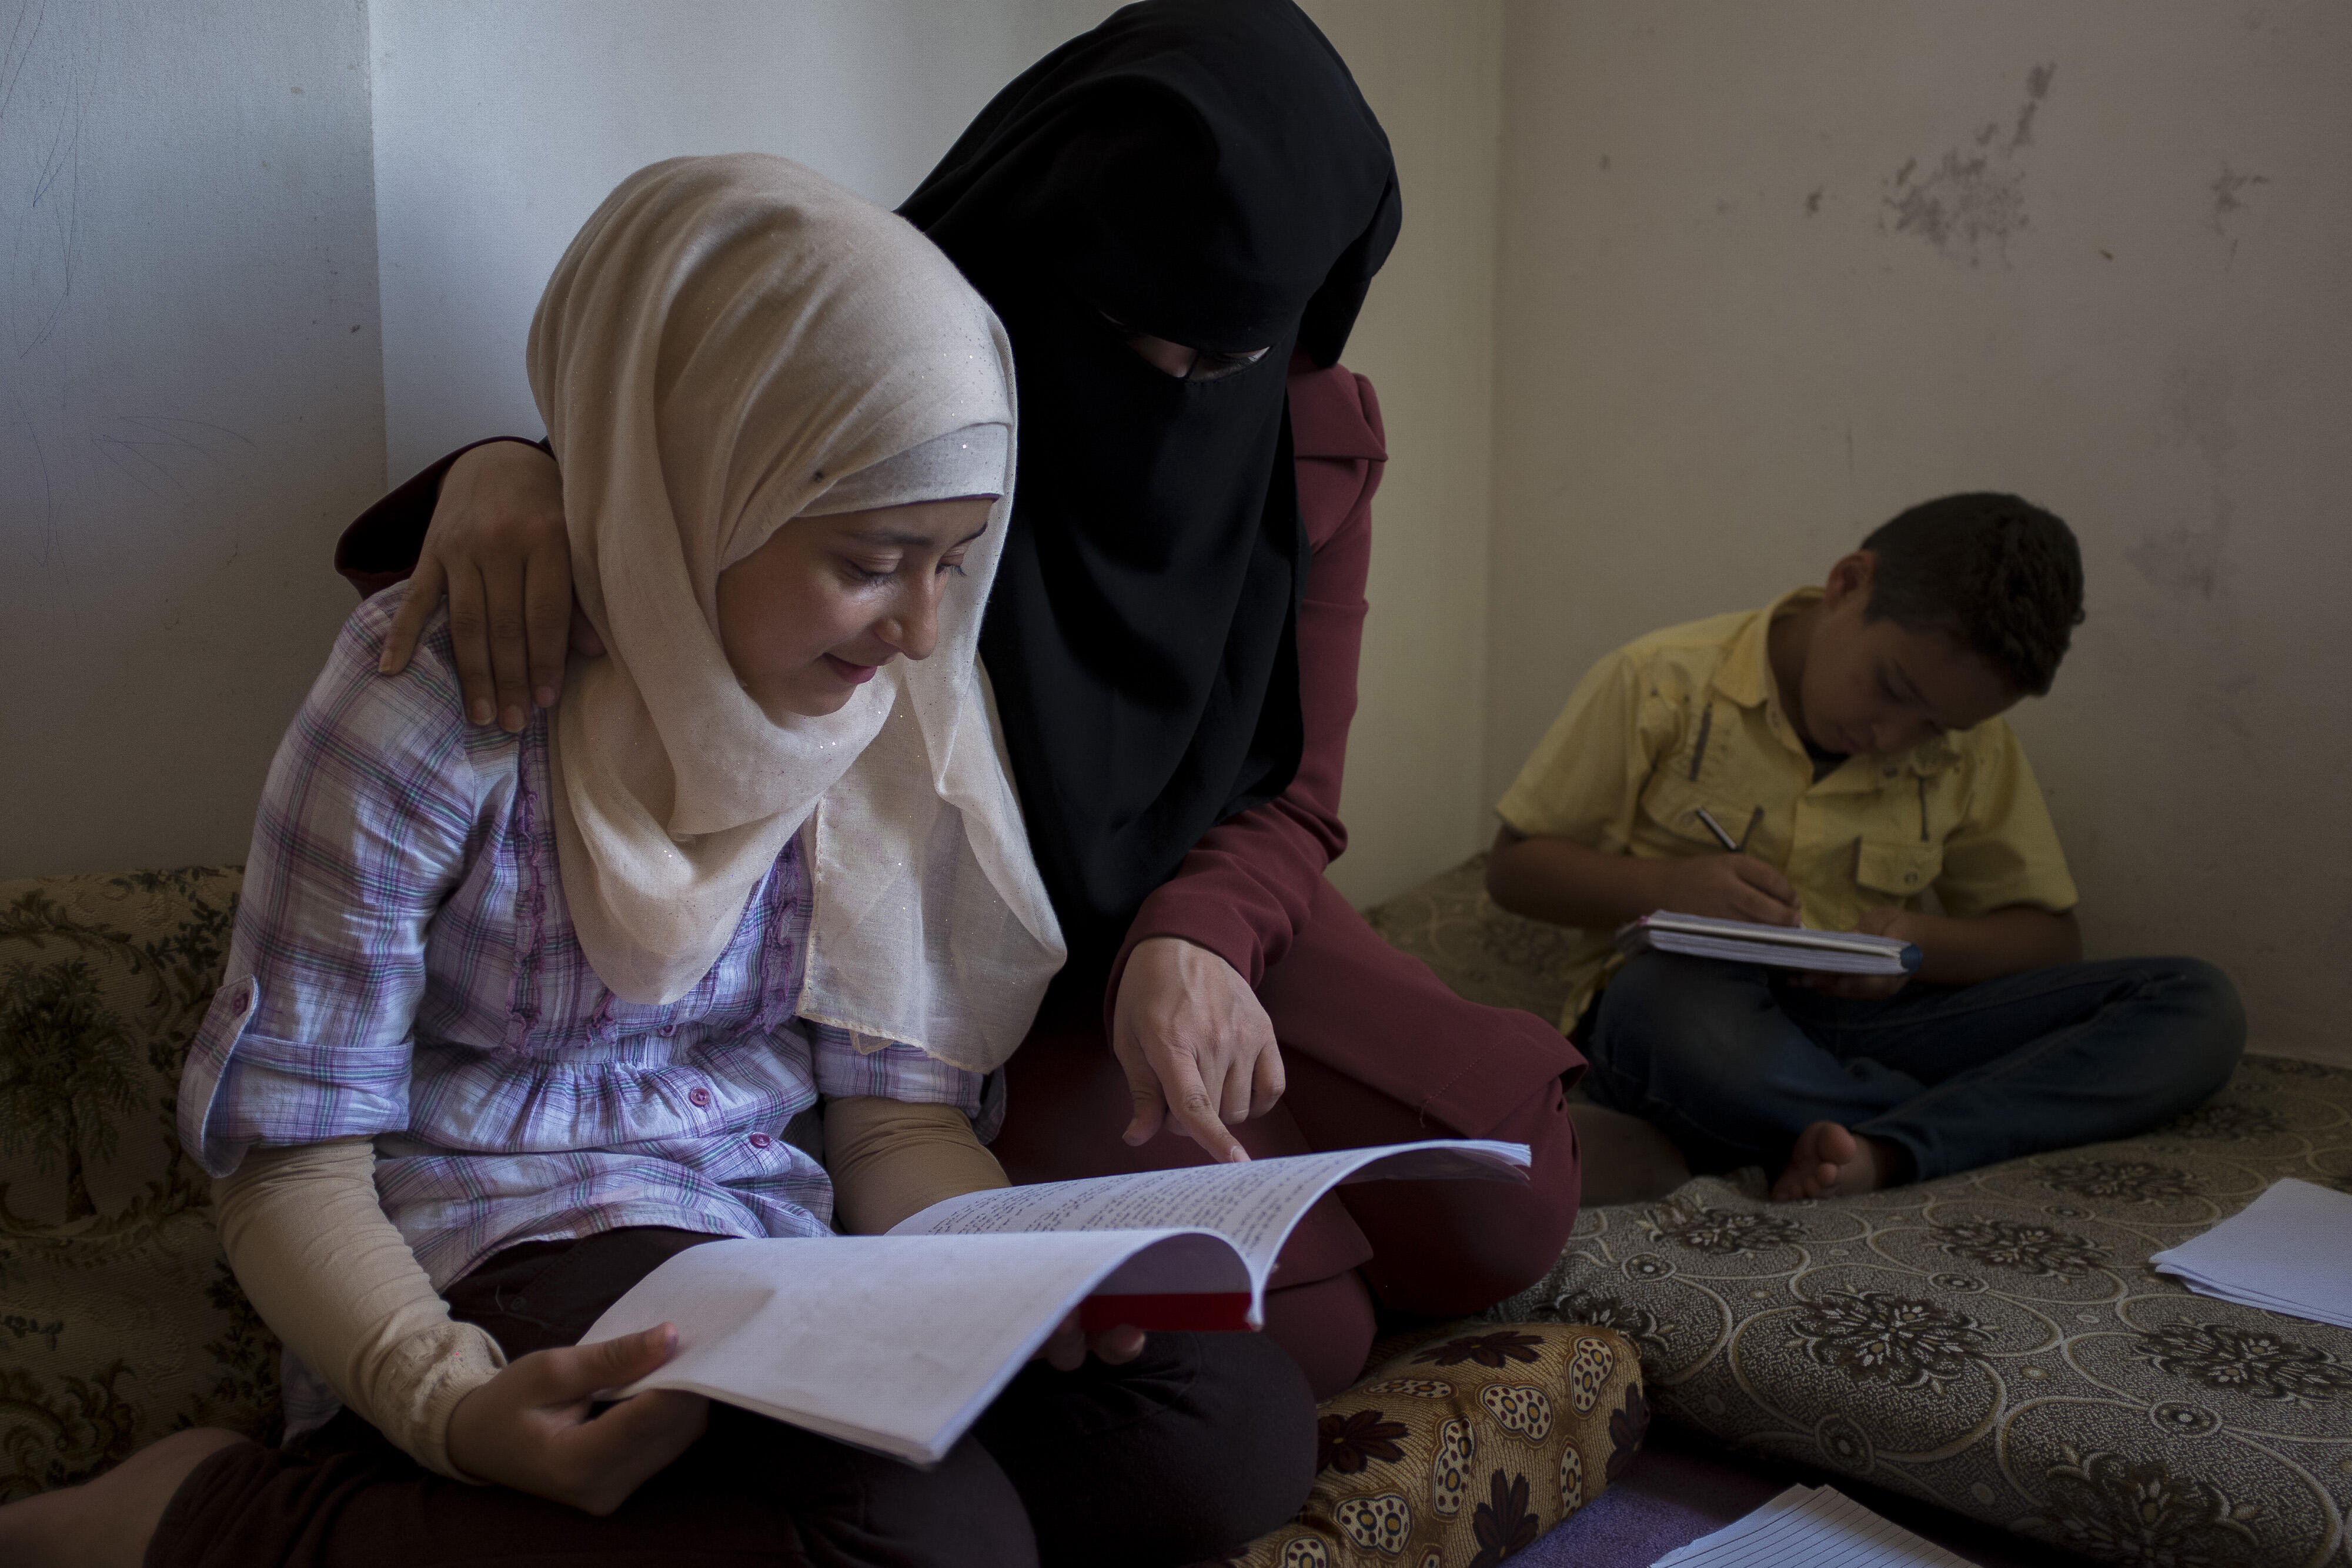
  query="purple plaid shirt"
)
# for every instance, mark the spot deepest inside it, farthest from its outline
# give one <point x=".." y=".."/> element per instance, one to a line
<point x="404" y="967"/>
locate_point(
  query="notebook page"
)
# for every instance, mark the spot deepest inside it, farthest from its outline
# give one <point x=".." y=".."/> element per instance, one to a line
<point x="893" y="1343"/>
<point x="1809" y="1527"/>
<point x="1254" y="1205"/>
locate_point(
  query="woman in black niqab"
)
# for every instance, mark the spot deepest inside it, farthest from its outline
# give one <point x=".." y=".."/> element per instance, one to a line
<point x="1203" y="171"/>
<point x="1202" y="176"/>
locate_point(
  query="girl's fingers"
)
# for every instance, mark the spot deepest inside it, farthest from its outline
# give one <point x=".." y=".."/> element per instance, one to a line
<point x="631" y="1443"/>
<point x="583" y="1371"/>
<point x="425" y="590"/>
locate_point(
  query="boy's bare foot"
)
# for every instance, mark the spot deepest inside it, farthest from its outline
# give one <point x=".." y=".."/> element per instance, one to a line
<point x="1830" y="1162"/>
<point x="107" y="1523"/>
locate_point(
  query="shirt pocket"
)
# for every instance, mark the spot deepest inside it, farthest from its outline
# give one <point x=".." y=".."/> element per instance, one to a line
<point x="1673" y="805"/>
<point x="1902" y="871"/>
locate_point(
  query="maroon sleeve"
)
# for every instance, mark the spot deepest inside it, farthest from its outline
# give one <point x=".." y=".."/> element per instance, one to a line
<point x="1246" y="887"/>
<point x="381" y="545"/>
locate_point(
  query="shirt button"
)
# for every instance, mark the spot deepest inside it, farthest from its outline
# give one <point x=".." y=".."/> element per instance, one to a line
<point x="668" y="1029"/>
<point x="760" y="1140"/>
<point x="699" y="1098"/>
<point x="243" y="1000"/>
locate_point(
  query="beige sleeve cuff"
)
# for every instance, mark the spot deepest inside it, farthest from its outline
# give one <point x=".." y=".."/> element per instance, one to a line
<point x="332" y="1274"/>
<point x="890" y="1159"/>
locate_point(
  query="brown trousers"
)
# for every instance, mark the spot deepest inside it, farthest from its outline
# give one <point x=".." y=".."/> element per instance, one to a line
<point x="1376" y="1051"/>
<point x="1202" y="1443"/>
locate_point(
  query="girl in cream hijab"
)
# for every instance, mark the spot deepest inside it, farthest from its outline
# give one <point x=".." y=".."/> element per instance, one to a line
<point x="510" y="1019"/>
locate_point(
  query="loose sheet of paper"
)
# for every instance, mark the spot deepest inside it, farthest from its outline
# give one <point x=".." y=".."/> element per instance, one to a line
<point x="1254" y="1205"/>
<point x="1812" y="1526"/>
<point x="2289" y="1251"/>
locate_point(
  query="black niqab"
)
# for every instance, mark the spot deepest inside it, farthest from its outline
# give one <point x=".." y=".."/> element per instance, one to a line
<point x="1204" y="171"/>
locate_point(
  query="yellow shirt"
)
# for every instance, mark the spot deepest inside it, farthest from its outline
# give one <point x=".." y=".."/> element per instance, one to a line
<point x="1690" y="717"/>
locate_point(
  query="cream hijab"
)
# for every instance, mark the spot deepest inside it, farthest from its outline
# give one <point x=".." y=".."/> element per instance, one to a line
<point x="725" y="341"/>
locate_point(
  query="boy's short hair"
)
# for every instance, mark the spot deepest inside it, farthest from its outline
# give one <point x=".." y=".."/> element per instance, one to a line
<point x="1996" y="573"/>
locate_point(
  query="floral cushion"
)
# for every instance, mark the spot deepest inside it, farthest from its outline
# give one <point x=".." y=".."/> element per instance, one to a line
<point x="119" y="1319"/>
<point x="1462" y="1451"/>
<point x="1996" y="1342"/>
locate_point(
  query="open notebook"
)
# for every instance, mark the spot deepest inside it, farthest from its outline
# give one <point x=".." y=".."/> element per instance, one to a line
<point x="898" y="1343"/>
<point x="1782" y="947"/>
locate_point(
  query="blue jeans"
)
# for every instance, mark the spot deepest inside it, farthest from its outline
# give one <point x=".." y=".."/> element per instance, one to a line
<point x="1732" y="1063"/>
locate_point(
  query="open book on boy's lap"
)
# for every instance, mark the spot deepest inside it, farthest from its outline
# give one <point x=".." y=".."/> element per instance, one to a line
<point x="898" y="1343"/>
<point x="1781" y="946"/>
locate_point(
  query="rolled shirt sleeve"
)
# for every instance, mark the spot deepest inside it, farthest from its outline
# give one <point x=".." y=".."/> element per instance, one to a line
<point x="363" y="832"/>
<point x="1583" y="782"/>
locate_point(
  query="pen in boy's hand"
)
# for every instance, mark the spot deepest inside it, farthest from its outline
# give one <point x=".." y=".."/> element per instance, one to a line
<point x="1730" y="844"/>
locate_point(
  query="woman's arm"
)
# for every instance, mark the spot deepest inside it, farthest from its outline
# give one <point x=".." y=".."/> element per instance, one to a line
<point x="1183" y="1018"/>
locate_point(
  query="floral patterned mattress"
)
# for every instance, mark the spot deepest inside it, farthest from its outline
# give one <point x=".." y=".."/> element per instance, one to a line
<point x="1993" y="1341"/>
<point x="1996" y="1342"/>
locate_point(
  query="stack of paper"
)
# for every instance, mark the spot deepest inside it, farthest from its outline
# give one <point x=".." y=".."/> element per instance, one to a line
<point x="2290" y="1251"/>
<point x="1812" y="1526"/>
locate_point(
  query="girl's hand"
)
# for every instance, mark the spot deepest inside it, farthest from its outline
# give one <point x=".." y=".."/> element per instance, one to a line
<point x="1195" y="1041"/>
<point x="530" y="1426"/>
<point x="497" y="548"/>
<point x="1066" y="1349"/>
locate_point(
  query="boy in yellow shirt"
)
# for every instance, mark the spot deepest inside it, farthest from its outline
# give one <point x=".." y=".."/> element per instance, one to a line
<point x="1849" y="737"/>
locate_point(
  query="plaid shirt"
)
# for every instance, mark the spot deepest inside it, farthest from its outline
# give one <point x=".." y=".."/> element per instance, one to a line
<point x="404" y="967"/>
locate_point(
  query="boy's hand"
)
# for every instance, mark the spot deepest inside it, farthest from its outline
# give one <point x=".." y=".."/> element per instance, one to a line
<point x="1884" y="921"/>
<point x="1730" y="887"/>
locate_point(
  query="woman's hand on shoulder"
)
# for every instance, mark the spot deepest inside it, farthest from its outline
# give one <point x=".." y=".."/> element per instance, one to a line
<point x="498" y="550"/>
<point x="531" y="1427"/>
<point x="1196" y="1045"/>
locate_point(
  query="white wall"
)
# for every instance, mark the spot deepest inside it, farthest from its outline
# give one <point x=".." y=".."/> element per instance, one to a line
<point x="499" y="129"/>
<point x="1769" y="274"/>
<point x="191" y="403"/>
<point x="1415" y="802"/>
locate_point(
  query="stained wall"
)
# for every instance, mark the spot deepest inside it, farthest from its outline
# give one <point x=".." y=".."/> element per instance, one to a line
<point x="1769" y="274"/>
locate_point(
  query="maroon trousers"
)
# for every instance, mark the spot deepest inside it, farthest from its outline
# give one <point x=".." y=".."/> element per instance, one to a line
<point x="1376" y="1051"/>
